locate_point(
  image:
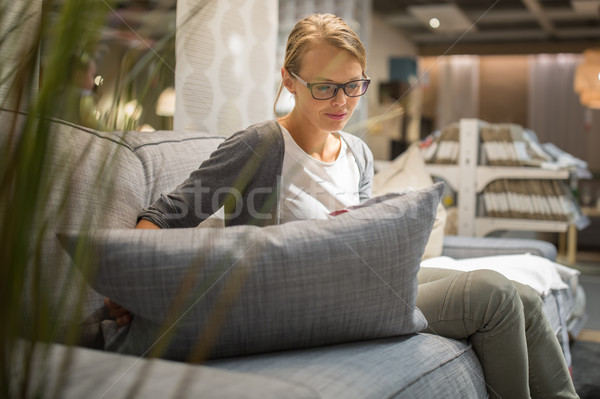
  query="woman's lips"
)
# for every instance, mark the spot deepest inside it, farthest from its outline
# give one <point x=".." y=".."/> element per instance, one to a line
<point x="336" y="117"/>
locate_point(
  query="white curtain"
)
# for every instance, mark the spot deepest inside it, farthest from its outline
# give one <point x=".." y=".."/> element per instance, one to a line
<point x="555" y="112"/>
<point x="458" y="95"/>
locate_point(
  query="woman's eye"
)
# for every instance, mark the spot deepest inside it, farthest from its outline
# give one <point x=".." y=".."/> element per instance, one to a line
<point x="352" y="86"/>
<point x="323" y="87"/>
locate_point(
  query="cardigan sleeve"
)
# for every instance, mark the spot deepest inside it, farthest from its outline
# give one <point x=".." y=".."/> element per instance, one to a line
<point x="364" y="160"/>
<point x="366" y="181"/>
<point x="223" y="180"/>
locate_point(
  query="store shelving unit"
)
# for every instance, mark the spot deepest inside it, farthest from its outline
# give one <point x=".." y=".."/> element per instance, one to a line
<point x="468" y="179"/>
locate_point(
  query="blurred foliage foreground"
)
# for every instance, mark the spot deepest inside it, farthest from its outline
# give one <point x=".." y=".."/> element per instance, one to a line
<point x="43" y="46"/>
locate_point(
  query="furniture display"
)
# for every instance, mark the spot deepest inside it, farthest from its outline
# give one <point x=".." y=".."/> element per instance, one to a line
<point x="464" y="164"/>
<point x="145" y="165"/>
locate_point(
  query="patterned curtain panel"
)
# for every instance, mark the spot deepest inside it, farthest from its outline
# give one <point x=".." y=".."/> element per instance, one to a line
<point x="225" y="74"/>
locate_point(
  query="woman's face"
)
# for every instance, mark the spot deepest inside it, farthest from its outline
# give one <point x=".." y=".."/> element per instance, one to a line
<point x="325" y="63"/>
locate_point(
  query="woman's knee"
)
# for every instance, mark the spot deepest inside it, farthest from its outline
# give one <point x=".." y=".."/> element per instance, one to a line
<point x="492" y="293"/>
<point x="532" y="302"/>
<point x="535" y="318"/>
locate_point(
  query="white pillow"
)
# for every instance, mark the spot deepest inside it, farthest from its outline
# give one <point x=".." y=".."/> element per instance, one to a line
<point x="408" y="172"/>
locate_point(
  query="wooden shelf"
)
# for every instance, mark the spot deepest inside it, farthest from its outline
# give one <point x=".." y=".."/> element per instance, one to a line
<point x="487" y="174"/>
<point x="469" y="179"/>
<point x="590" y="211"/>
<point x="485" y="225"/>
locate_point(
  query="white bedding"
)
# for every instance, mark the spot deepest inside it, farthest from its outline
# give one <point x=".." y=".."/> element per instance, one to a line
<point x="539" y="273"/>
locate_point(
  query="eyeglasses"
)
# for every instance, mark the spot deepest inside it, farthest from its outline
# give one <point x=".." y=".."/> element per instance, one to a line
<point x="325" y="91"/>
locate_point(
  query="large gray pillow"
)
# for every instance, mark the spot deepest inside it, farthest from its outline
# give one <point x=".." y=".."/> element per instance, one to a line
<point x="214" y="292"/>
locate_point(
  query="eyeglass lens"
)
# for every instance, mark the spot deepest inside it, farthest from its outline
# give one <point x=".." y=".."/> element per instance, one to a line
<point x="323" y="91"/>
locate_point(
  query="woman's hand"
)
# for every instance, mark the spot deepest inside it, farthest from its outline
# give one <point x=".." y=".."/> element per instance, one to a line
<point x="118" y="312"/>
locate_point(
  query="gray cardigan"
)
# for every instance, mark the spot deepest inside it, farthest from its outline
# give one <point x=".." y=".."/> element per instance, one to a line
<point x="243" y="176"/>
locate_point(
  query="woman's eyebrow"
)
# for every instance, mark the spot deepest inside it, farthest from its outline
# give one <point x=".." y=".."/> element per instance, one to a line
<point x="322" y="79"/>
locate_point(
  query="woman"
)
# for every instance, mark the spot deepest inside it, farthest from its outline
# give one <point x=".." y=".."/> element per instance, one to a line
<point x="322" y="170"/>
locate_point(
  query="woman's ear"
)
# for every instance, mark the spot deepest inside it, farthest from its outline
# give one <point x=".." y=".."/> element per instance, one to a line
<point x="288" y="80"/>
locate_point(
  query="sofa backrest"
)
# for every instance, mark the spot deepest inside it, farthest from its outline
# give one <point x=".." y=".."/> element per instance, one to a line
<point x="97" y="180"/>
<point x="168" y="157"/>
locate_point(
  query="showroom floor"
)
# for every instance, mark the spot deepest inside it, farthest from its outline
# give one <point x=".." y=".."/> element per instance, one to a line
<point x="588" y="263"/>
<point x="585" y="349"/>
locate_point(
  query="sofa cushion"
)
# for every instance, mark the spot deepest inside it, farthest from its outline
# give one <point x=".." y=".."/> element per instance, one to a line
<point x="409" y="172"/>
<point x="242" y="290"/>
<point x="411" y="366"/>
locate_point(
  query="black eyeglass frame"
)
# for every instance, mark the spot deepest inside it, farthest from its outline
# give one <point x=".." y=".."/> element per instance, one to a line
<point x="339" y="86"/>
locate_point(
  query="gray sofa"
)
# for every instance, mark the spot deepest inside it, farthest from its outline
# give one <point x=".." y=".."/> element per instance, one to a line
<point x="412" y="365"/>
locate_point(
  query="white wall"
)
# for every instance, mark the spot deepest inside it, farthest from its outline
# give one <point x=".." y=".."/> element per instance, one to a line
<point x="384" y="42"/>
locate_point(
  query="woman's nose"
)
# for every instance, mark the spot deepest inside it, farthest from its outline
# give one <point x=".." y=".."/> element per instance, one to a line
<point x="339" y="98"/>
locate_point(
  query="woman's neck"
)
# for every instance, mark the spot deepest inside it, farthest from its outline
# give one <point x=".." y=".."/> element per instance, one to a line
<point x="319" y="144"/>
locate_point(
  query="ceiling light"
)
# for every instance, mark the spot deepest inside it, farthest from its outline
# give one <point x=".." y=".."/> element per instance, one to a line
<point x="449" y="17"/>
<point x="434" y="23"/>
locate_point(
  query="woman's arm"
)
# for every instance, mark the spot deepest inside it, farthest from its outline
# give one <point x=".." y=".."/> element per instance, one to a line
<point x="146" y="224"/>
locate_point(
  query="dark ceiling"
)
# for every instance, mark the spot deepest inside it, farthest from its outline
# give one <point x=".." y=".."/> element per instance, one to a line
<point x="496" y="26"/>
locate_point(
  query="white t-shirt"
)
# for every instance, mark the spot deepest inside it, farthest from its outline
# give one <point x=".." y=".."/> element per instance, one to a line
<point x="311" y="189"/>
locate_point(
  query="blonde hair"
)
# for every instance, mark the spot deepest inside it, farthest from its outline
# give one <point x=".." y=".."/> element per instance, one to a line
<point x="320" y="29"/>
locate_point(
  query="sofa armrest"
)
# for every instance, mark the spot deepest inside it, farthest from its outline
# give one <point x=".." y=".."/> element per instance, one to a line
<point x="459" y="247"/>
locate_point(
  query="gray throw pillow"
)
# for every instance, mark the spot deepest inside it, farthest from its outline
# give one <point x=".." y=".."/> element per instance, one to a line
<point x="219" y="292"/>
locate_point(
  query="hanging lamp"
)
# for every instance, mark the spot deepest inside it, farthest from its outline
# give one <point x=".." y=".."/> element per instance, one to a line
<point x="587" y="79"/>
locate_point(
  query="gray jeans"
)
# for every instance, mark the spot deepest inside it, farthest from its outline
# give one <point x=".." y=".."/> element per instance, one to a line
<point x="519" y="353"/>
